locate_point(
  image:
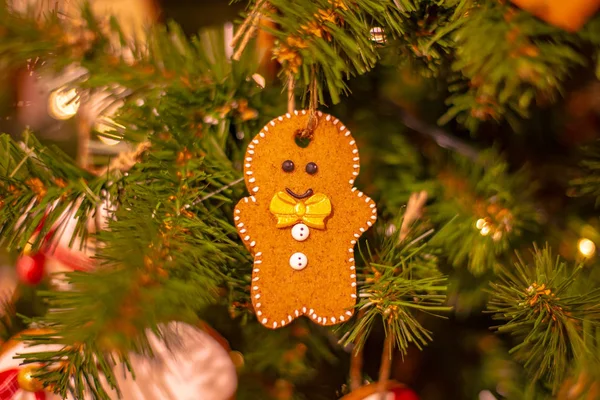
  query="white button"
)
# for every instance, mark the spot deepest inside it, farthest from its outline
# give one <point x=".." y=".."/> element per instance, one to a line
<point x="298" y="261"/>
<point x="300" y="232"/>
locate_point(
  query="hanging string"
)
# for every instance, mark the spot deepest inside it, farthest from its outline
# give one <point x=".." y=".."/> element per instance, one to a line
<point x="247" y="30"/>
<point x="291" y="104"/>
<point x="84" y="132"/>
<point x="356" y="362"/>
<point x="313" y="119"/>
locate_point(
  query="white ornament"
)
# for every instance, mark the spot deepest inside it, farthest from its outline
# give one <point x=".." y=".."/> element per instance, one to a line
<point x="188" y="364"/>
<point x="300" y="232"/>
<point x="298" y="261"/>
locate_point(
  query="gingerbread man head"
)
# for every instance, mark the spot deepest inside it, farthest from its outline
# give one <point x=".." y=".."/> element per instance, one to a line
<point x="302" y="220"/>
<point x="279" y="164"/>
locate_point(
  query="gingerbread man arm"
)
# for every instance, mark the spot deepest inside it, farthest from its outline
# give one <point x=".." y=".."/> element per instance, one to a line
<point x="246" y="206"/>
<point x="367" y="209"/>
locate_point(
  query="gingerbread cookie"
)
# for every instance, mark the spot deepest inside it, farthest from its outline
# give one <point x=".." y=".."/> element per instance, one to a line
<point x="302" y="220"/>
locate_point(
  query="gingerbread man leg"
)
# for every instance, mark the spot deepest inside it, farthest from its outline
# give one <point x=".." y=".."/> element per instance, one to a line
<point x="274" y="308"/>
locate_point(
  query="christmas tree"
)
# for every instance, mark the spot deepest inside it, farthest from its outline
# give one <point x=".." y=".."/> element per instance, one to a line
<point x="184" y="212"/>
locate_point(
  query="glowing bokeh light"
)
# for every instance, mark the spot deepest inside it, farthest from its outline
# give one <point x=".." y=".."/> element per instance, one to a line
<point x="586" y="247"/>
<point x="108" y="131"/>
<point x="63" y="103"/>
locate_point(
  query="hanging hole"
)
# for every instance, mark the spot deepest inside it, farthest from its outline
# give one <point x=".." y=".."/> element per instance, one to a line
<point x="302" y="139"/>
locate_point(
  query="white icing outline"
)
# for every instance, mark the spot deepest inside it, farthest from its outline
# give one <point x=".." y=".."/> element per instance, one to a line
<point x="255" y="288"/>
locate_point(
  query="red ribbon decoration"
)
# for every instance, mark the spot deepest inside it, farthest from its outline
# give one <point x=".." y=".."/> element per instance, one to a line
<point x="9" y="385"/>
<point x="71" y="259"/>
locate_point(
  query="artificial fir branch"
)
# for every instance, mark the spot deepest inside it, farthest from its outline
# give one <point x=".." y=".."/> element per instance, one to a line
<point x="516" y="67"/>
<point x="544" y="307"/>
<point x="413" y="212"/>
<point x="483" y="208"/>
<point x="331" y="35"/>
<point x="166" y="255"/>
<point x="336" y="37"/>
<point x="588" y="182"/>
<point x="401" y="278"/>
<point x="40" y="184"/>
<point x="175" y="262"/>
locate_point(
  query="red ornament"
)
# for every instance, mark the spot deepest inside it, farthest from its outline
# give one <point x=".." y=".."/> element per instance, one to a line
<point x="404" y="393"/>
<point x="30" y="268"/>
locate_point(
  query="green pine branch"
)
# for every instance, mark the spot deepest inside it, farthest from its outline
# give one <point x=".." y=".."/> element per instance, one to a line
<point x="484" y="210"/>
<point x="38" y="185"/>
<point x="330" y="36"/>
<point x="170" y="249"/>
<point x="165" y="58"/>
<point x="164" y="257"/>
<point x="587" y="182"/>
<point x="398" y="285"/>
<point x="544" y="304"/>
<point x="522" y="61"/>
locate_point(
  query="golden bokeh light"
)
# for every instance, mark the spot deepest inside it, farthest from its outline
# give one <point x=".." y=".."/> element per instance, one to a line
<point x="63" y="103"/>
<point x="586" y="247"/>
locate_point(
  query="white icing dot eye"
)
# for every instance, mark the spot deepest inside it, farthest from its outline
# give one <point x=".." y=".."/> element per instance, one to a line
<point x="298" y="261"/>
<point x="300" y="232"/>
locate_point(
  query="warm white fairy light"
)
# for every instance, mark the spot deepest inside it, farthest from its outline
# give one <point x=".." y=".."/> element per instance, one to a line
<point x="259" y="79"/>
<point x="586" y="247"/>
<point x="483" y="226"/>
<point x="63" y="103"/>
<point x="389" y="231"/>
<point x="108" y="131"/>
<point x="377" y="35"/>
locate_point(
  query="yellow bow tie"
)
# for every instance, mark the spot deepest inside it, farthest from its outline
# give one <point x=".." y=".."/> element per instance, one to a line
<point x="312" y="212"/>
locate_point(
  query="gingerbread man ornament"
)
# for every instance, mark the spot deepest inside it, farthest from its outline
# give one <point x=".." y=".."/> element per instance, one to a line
<point x="302" y="220"/>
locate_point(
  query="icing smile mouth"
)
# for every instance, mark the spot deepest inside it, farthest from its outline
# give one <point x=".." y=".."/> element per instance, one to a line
<point x="306" y="194"/>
